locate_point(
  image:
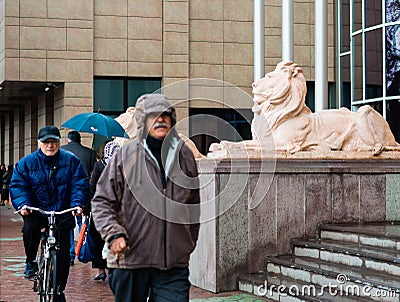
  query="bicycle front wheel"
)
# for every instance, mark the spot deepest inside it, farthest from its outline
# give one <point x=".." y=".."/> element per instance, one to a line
<point x="49" y="278"/>
<point x="37" y="280"/>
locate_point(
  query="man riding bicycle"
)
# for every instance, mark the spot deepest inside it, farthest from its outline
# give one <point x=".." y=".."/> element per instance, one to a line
<point x="53" y="180"/>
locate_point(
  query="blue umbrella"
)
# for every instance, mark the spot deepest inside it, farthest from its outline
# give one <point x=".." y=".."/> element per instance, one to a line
<point x="96" y="123"/>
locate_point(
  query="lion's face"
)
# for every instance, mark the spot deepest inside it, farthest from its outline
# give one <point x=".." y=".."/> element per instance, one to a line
<point x="279" y="95"/>
<point x="262" y="87"/>
<point x="271" y="88"/>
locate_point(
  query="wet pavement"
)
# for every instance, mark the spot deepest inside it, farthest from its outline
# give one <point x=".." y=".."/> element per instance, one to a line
<point x="80" y="287"/>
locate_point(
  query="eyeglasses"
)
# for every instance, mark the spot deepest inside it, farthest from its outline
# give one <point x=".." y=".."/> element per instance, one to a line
<point x="51" y="141"/>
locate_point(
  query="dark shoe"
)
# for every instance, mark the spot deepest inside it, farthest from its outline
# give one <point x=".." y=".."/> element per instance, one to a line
<point x="59" y="298"/>
<point x="71" y="262"/>
<point x="30" y="269"/>
<point x="101" y="276"/>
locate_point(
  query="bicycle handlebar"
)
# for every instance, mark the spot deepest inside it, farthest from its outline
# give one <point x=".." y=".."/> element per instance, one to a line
<point x="48" y="212"/>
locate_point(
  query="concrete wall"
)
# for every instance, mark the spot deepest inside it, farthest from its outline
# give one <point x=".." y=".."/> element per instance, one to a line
<point x="31" y="127"/>
<point x="128" y="38"/>
<point x="50" y="41"/>
<point x="252" y="209"/>
<point x="19" y="124"/>
<point x="8" y="156"/>
<point x="2" y="39"/>
<point x="176" y="55"/>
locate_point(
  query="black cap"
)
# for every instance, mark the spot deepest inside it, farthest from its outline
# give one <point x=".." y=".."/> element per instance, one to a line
<point x="48" y="132"/>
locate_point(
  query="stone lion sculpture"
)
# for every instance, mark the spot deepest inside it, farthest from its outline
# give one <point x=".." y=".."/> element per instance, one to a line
<point x="128" y="122"/>
<point x="280" y="110"/>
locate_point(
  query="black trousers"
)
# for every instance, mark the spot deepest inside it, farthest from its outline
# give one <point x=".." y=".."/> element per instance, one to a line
<point x="33" y="223"/>
<point x="134" y="285"/>
<point x="98" y="261"/>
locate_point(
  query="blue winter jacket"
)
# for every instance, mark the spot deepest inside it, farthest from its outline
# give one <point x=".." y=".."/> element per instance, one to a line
<point x="52" y="183"/>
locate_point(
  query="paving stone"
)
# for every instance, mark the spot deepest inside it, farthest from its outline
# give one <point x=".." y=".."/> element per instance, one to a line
<point x="81" y="287"/>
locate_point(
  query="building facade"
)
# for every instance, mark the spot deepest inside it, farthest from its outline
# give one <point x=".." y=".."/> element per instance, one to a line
<point x="58" y="59"/>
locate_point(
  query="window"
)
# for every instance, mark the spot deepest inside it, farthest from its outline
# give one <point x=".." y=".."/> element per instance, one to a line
<point x="211" y="125"/>
<point x="113" y="95"/>
<point x="310" y="96"/>
<point x="109" y="95"/>
<point x="372" y="63"/>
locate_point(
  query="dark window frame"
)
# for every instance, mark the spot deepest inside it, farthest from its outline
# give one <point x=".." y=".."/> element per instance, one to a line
<point x="125" y="91"/>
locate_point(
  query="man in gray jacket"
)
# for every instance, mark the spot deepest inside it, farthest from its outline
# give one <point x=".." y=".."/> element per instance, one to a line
<point x="146" y="206"/>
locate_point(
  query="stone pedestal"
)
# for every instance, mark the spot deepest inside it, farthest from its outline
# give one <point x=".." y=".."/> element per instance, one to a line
<point x="253" y="208"/>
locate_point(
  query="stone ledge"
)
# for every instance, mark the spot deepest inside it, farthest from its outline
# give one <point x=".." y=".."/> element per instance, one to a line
<point x="294" y="165"/>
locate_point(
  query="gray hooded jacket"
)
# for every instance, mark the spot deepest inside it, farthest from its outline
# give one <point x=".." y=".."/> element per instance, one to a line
<point x="161" y="224"/>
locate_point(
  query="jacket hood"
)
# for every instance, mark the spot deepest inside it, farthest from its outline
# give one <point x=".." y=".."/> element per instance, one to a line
<point x="152" y="103"/>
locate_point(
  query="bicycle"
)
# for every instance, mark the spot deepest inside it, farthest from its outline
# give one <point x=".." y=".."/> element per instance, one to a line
<point x="45" y="279"/>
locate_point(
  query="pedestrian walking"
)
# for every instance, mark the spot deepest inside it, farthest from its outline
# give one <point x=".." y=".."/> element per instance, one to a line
<point x="88" y="159"/>
<point x="146" y="207"/>
<point x="85" y="154"/>
<point x="53" y="180"/>
<point x="2" y="171"/>
<point x="98" y="262"/>
<point x="5" y="192"/>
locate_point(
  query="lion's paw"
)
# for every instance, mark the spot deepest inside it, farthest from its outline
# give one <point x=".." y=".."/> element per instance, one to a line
<point x="378" y="148"/>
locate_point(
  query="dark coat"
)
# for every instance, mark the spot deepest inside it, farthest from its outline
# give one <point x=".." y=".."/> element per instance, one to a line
<point x="96" y="173"/>
<point x="2" y="172"/>
<point x="52" y="183"/>
<point x="85" y="154"/>
<point x="98" y="261"/>
<point x="6" y="177"/>
<point x="97" y="170"/>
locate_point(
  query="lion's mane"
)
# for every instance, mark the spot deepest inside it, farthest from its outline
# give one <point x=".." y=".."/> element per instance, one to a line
<point x="283" y="94"/>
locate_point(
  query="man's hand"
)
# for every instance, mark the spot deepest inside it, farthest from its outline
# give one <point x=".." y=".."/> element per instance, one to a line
<point x="24" y="211"/>
<point x="118" y="247"/>
<point x="78" y="212"/>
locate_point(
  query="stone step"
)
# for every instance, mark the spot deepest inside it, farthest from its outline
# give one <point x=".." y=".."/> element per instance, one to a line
<point x="386" y="235"/>
<point x="351" y="254"/>
<point x="278" y="287"/>
<point x="326" y="274"/>
<point x="347" y="262"/>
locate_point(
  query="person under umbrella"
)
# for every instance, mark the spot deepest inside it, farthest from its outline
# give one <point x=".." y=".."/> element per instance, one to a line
<point x="88" y="159"/>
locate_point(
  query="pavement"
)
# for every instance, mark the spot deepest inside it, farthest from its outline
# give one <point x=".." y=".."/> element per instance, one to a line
<point x="81" y="287"/>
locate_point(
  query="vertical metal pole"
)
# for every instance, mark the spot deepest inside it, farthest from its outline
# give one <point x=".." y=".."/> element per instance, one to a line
<point x="338" y="64"/>
<point x="321" y="55"/>
<point x="287" y="30"/>
<point x="385" y="102"/>
<point x="352" y="79"/>
<point x="258" y="39"/>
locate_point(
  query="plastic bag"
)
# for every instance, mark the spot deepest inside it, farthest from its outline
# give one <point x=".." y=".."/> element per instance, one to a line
<point x="105" y="251"/>
<point x="85" y="244"/>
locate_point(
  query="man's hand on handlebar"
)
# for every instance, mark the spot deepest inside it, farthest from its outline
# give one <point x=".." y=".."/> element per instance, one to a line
<point x="24" y="211"/>
<point x="77" y="212"/>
